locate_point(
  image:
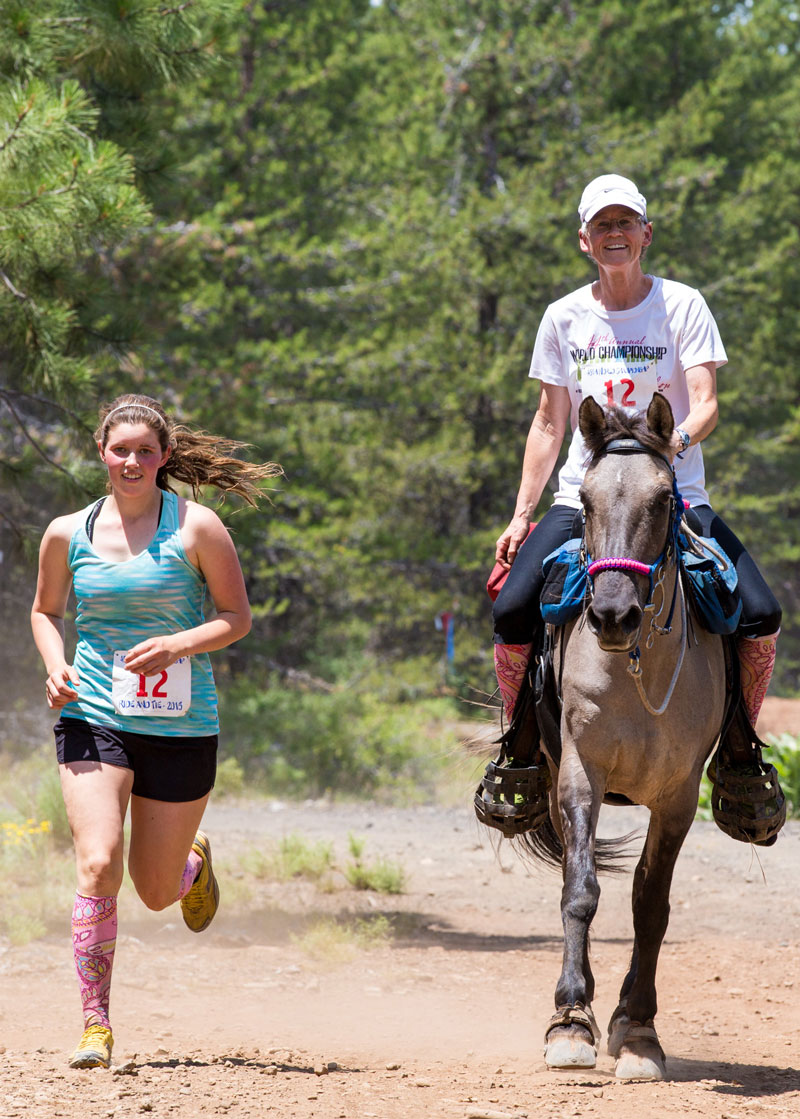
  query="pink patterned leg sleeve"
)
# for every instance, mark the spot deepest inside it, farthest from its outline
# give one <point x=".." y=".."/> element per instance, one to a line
<point x="94" y="937"/>
<point x="757" y="660"/>
<point x="510" y="664"/>
<point x="193" y="864"/>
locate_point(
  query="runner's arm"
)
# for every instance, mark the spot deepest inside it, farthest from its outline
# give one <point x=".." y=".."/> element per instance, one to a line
<point x="209" y="546"/>
<point x="47" y="613"/>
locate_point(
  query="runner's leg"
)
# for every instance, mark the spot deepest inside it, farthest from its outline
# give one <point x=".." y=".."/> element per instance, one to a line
<point x="161" y="861"/>
<point x="96" y="798"/>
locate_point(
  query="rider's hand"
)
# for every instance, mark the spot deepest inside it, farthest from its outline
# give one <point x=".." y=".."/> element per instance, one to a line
<point x="512" y="540"/>
<point x="60" y="686"/>
<point x="153" y="655"/>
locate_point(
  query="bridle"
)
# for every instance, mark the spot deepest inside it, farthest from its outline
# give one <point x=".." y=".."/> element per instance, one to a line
<point x="656" y="573"/>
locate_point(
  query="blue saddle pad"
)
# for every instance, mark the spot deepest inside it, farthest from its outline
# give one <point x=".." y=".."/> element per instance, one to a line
<point x="565" y="584"/>
<point x="712" y="586"/>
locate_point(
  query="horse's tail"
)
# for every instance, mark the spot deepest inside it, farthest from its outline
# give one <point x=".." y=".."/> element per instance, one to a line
<point x="543" y="845"/>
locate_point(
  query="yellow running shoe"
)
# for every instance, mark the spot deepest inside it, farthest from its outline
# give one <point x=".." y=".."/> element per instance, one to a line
<point x="94" y="1048"/>
<point x="200" y="904"/>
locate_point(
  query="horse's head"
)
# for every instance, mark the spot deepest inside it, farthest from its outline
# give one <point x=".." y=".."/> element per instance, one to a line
<point x="627" y="496"/>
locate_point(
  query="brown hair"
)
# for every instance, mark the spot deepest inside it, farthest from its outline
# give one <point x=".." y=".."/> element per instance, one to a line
<point x="196" y="457"/>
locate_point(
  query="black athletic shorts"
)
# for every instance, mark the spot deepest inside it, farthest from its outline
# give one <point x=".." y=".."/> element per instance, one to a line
<point x="164" y="767"/>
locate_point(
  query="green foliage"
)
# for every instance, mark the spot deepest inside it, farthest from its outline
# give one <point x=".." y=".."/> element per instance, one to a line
<point x="384" y="876"/>
<point x="32" y="791"/>
<point x="331" y="230"/>
<point x="337" y="941"/>
<point x="294" y="856"/>
<point x="784" y="754"/>
<point x="36" y="878"/>
<point x="77" y="142"/>
<point x="229" y="780"/>
<point x="343" y="741"/>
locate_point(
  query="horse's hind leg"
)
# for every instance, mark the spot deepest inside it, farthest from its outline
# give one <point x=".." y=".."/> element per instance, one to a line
<point x="572" y="1036"/>
<point x="632" y="1036"/>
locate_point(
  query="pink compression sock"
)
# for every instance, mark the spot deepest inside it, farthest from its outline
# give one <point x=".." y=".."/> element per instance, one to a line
<point x="511" y="664"/>
<point x="190" y="871"/>
<point x="94" y="937"/>
<point x="757" y="660"/>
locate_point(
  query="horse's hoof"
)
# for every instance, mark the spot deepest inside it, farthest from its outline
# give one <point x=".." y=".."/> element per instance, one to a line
<point x="640" y="1056"/>
<point x="572" y="1038"/>
<point x="632" y="1066"/>
<point x="617" y="1028"/>
<point x="568" y="1048"/>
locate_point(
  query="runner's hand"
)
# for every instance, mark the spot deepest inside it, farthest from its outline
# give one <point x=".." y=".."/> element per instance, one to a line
<point x="152" y="655"/>
<point x="60" y="687"/>
<point x="512" y="540"/>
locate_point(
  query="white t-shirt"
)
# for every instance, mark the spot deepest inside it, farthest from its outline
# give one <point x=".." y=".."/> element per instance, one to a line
<point x="622" y="358"/>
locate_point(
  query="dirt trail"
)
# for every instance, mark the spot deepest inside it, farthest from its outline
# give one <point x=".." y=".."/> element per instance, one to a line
<point x="445" y="1019"/>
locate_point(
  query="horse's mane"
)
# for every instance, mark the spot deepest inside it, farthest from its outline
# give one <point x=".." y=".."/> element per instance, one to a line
<point x="622" y="424"/>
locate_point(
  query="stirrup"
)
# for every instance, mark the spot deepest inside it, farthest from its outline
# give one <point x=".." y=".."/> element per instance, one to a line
<point x="747" y="801"/>
<point x="512" y="798"/>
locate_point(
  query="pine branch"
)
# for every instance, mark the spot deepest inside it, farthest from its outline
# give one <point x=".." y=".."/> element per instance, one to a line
<point x="51" y="193"/>
<point x="17" y="125"/>
<point x="176" y="11"/>
<point x="39" y="450"/>
<point x="12" y="524"/>
<point x="35" y="399"/>
<point x="19" y="294"/>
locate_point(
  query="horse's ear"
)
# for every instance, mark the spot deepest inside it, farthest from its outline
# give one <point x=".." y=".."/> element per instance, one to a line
<point x="591" y="419"/>
<point x="659" y="417"/>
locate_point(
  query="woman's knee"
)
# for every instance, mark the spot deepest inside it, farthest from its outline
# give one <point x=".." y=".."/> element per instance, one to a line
<point x="99" y="871"/>
<point x="764" y="623"/>
<point x="156" y="895"/>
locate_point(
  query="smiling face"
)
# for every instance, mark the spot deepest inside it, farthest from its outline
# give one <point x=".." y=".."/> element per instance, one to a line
<point x="133" y="456"/>
<point x="615" y="237"/>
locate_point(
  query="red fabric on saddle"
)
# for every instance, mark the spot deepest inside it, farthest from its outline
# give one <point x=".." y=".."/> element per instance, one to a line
<point x="500" y="574"/>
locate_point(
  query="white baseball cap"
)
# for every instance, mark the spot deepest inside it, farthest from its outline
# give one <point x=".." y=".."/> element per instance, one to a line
<point x="611" y="190"/>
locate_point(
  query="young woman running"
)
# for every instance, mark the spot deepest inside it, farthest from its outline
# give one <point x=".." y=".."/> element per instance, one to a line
<point x="138" y="707"/>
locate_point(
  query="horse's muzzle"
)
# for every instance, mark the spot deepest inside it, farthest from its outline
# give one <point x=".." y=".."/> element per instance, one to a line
<point x="616" y="626"/>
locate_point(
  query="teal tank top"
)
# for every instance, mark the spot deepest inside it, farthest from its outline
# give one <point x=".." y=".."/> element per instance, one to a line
<point x="120" y="604"/>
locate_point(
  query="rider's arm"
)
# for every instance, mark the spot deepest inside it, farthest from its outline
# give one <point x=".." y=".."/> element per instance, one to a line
<point x="701" y="381"/>
<point x="541" y="451"/>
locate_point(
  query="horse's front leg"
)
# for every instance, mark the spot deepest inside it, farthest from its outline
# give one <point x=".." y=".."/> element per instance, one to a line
<point x="632" y="1035"/>
<point x="572" y="1036"/>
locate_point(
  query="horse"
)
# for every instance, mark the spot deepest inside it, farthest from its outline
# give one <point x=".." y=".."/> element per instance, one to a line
<point x="643" y="695"/>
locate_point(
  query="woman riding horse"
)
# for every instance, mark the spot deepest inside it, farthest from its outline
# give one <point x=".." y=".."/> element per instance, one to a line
<point x="619" y="340"/>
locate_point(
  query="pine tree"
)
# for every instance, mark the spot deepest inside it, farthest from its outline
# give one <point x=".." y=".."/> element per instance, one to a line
<point x="74" y="118"/>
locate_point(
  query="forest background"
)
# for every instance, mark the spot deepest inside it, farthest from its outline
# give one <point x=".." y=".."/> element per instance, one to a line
<point x="330" y="230"/>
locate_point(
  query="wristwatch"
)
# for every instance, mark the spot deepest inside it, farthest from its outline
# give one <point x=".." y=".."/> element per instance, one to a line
<point x="685" y="439"/>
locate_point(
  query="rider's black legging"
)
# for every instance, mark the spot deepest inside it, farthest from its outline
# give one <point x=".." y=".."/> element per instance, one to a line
<point x="516" y="611"/>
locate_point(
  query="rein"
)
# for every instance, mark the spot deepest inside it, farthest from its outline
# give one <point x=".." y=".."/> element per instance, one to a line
<point x="655" y="572"/>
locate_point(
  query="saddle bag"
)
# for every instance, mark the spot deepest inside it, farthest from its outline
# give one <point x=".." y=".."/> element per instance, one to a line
<point x="565" y="584"/>
<point x="712" y="585"/>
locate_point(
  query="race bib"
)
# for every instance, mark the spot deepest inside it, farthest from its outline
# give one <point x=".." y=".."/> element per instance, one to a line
<point x="619" y="384"/>
<point x="166" y="694"/>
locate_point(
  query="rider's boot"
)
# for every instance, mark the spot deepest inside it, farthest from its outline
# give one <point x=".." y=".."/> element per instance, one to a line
<point x="511" y="664"/>
<point x="757" y="660"/>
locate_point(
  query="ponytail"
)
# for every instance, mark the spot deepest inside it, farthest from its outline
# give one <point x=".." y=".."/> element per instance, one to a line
<point x="196" y="457"/>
